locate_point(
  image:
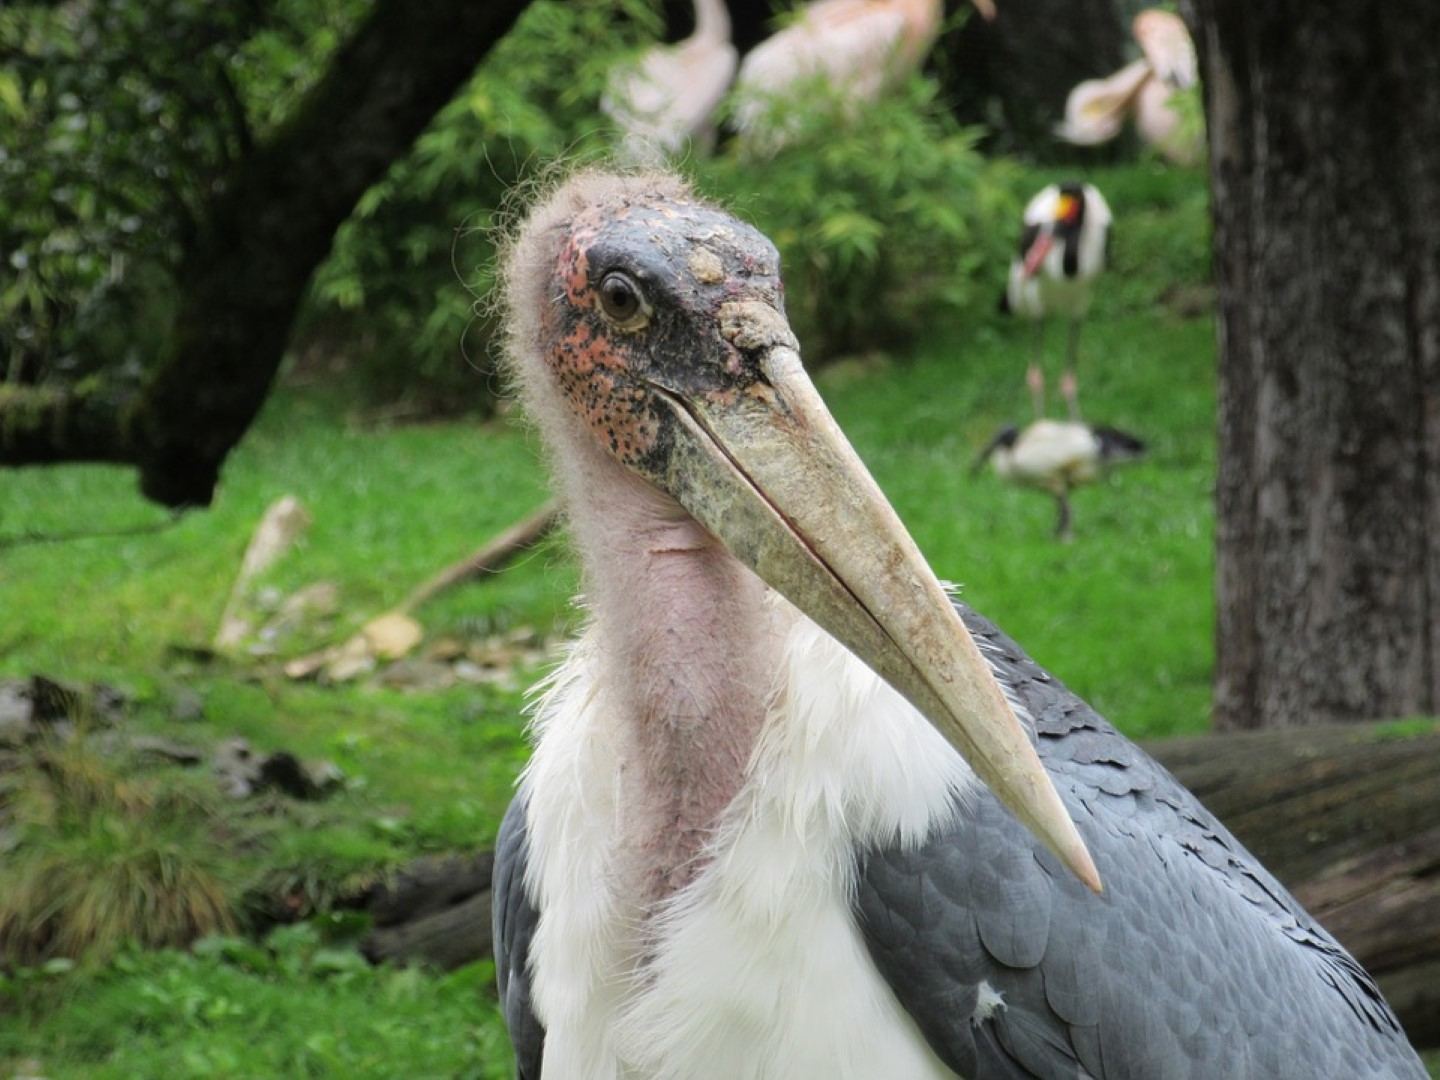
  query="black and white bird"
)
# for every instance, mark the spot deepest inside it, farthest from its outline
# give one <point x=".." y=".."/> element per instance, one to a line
<point x="1062" y="252"/>
<point x="791" y="813"/>
<point x="1058" y="456"/>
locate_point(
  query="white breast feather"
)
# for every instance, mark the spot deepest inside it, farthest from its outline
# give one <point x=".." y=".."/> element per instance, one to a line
<point x="755" y="970"/>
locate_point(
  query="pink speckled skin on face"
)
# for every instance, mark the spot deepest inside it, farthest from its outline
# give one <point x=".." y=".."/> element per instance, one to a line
<point x="688" y="261"/>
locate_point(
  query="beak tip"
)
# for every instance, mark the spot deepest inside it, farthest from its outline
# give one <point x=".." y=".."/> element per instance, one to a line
<point x="1090" y="876"/>
<point x="1076" y="856"/>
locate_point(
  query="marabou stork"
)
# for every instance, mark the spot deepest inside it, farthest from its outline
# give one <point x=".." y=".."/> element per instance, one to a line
<point x="1062" y="250"/>
<point x="1057" y="456"/>
<point x="764" y="833"/>
<point x="666" y="100"/>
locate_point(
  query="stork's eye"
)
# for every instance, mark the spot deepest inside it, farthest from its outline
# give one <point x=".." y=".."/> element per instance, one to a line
<point x="623" y="302"/>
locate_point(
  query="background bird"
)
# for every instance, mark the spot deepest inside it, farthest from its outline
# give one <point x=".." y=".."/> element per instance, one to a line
<point x="666" y="100"/>
<point x="857" y="47"/>
<point x="1096" y="109"/>
<point x="787" y="814"/>
<point x="1058" y="457"/>
<point x="1062" y="250"/>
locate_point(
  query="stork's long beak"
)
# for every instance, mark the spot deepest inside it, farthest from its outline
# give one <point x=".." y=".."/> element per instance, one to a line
<point x="769" y="473"/>
<point x="1038" y="250"/>
<point x="990" y="448"/>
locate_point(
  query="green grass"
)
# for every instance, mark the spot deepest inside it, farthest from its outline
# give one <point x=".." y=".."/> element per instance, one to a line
<point x="1123" y="615"/>
<point x="292" y="1007"/>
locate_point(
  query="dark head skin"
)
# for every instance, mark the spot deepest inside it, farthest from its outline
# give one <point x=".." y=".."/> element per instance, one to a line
<point x="646" y="303"/>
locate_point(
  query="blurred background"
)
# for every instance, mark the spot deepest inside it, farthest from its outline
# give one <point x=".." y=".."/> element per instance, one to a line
<point x="277" y="562"/>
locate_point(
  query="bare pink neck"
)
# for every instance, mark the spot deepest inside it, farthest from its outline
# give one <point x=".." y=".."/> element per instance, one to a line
<point x="686" y="638"/>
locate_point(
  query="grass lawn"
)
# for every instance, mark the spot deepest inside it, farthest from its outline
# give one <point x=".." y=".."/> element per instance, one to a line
<point x="1123" y="615"/>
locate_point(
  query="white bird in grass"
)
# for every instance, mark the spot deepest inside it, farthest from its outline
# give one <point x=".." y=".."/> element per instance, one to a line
<point x="1062" y="250"/>
<point x="665" y="101"/>
<point x="857" y="47"/>
<point x="764" y="832"/>
<point x="1058" y="456"/>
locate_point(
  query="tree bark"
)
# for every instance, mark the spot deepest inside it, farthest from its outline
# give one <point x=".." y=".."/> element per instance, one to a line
<point x="259" y="240"/>
<point x="1324" y="124"/>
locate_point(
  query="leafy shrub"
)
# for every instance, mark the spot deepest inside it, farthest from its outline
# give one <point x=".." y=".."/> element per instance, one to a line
<point x="885" y="216"/>
<point x="400" y="286"/>
<point x="881" y="214"/>
<point x="117" y="120"/>
<point x="104" y="859"/>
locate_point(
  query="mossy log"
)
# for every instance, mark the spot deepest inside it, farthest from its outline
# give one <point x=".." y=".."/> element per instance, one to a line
<point x="1348" y="817"/>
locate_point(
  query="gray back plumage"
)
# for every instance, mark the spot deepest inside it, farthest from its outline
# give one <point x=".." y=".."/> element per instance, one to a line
<point x="515" y="920"/>
<point x="1195" y="963"/>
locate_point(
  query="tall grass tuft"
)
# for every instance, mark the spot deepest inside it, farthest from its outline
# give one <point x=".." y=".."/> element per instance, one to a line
<point x="104" y="858"/>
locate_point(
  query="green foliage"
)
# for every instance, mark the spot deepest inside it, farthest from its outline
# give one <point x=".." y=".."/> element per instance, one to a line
<point x="1406" y="728"/>
<point x="884" y="215"/>
<point x="401" y="284"/>
<point x="294" y="1005"/>
<point x="104" y="859"/>
<point x="118" y="120"/>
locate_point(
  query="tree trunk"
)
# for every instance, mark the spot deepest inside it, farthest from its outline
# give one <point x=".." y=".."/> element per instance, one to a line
<point x="260" y="238"/>
<point x="1324" y="125"/>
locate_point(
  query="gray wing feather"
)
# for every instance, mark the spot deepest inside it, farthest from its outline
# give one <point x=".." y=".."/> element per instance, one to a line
<point x="1195" y="963"/>
<point x="515" y="919"/>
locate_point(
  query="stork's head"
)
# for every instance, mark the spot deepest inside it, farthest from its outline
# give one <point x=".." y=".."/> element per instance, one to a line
<point x="1057" y="213"/>
<point x="1069" y="210"/>
<point x="651" y="326"/>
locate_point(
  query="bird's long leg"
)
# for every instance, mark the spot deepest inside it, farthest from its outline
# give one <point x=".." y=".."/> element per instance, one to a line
<point x="1063" y="532"/>
<point x="1070" y="381"/>
<point x="1035" y="374"/>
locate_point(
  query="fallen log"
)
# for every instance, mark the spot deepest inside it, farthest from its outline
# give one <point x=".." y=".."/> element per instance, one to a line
<point x="435" y="911"/>
<point x="1347" y="817"/>
<point x="282" y="525"/>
